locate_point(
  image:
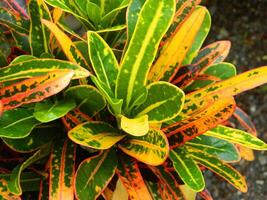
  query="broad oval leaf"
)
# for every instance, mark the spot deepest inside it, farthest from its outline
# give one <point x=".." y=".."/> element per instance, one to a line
<point x="94" y="174"/>
<point x="138" y="126"/>
<point x="152" y="149"/>
<point x="175" y="50"/>
<point x="224" y="170"/>
<point x="103" y="60"/>
<point x="131" y="177"/>
<point x="187" y="169"/>
<point x="154" y="19"/>
<point x="34" y="89"/>
<point x="62" y="169"/>
<point x="47" y="111"/>
<point x="97" y="135"/>
<point x="17" y="123"/>
<point x="182" y="131"/>
<point x="238" y="137"/>
<point x="164" y="102"/>
<point x="224" y="150"/>
<point x="88" y="99"/>
<point x="30" y="68"/>
<point x="37" y="138"/>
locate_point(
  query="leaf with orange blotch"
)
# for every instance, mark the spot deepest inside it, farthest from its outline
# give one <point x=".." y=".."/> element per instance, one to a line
<point x="5" y="193"/>
<point x="187" y="129"/>
<point x="34" y="89"/>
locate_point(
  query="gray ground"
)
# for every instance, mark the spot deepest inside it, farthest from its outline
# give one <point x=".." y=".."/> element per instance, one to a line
<point x="245" y="24"/>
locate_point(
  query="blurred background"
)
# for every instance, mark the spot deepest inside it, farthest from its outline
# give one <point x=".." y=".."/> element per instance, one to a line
<point x="244" y="23"/>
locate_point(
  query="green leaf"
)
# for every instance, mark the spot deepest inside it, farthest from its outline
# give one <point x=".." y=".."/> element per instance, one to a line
<point x="97" y="135"/>
<point x="199" y="38"/>
<point x="224" y="170"/>
<point x="224" y="150"/>
<point x="138" y="126"/>
<point x="238" y="137"/>
<point x="62" y="168"/>
<point x="187" y="169"/>
<point x="152" y="149"/>
<point x="4" y="50"/>
<point x="37" y="138"/>
<point x="14" y="183"/>
<point x="221" y="71"/>
<point x="5" y="193"/>
<point x="164" y="102"/>
<point x="94" y="174"/>
<point x="28" y="67"/>
<point x="47" y="111"/>
<point x="103" y="60"/>
<point x="93" y="12"/>
<point x="88" y="99"/>
<point x="154" y="19"/>
<point x="39" y="35"/>
<point x="17" y="123"/>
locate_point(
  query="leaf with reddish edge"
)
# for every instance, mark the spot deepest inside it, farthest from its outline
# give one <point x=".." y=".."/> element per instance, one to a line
<point x="201" y="98"/>
<point x="44" y="190"/>
<point x="68" y="47"/>
<point x="167" y="179"/>
<point x="245" y="121"/>
<point x="34" y="89"/>
<point x="5" y="193"/>
<point x="1" y="108"/>
<point x="222" y="169"/>
<point x="74" y="118"/>
<point x="156" y="190"/>
<point x="211" y="54"/>
<point x="152" y="148"/>
<point x="205" y="194"/>
<point x="62" y="165"/>
<point x="129" y="174"/>
<point x="187" y="129"/>
<point x="16" y="7"/>
<point x="94" y="174"/>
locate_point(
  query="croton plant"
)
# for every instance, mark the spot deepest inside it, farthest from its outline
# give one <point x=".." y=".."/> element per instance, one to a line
<point x="117" y="99"/>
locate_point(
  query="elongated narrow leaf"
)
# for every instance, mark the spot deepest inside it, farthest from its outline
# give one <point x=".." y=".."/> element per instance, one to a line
<point x="176" y="48"/>
<point x="17" y="123"/>
<point x="88" y="99"/>
<point x="14" y="182"/>
<point x="47" y="111"/>
<point x="152" y="148"/>
<point x="156" y="190"/>
<point x="130" y="176"/>
<point x="94" y="174"/>
<point x="97" y="135"/>
<point x="170" y="183"/>
<point x="185" y="130"/>
<point x="224" y="170"/>
<point x="205" y="195"/>
<point x="62" y="165"/>
<point x="38" y="138"/>
<point x="74" y="118"/>
<point x="68" y="47"/>
<point x="34" y="89"/>
<point x="39" y="35"/>
<point x="245" y="121"/>
<point x="13" y="21"/>
<point x="19" y="7"/>
<point x="237" y="136"/>
<point x="29" y="68"/>
<point x="5" y="193"/>
<point x="233" y="86"/>
<point x="209" y="55"/>
<point x="103" y="60"/>
<point x="224" y="150"/>
<point x="187" y="169"/>
<point x="154" y="19"/>
<point x="222" y="71"/>
<point x="163" y="107"/>
<point x="138" y="126"/>
<point x="44" y="190"/>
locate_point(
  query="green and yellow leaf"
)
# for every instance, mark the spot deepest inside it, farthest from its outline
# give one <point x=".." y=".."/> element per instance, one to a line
<point x="97" y="135"/>
<point x="5" y="193"/>
<point x="34" y="89"/>
<point x="151" y="149"/>
<point x="74" y="118"/>
<point x="94" y="174"/>
<point x="138" y="126"/>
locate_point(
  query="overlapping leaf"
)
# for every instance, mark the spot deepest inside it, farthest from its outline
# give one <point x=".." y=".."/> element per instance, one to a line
<point x="5" y="193"/>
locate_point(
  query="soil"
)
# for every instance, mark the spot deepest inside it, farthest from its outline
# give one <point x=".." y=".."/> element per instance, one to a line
<point x="244" y="24"/>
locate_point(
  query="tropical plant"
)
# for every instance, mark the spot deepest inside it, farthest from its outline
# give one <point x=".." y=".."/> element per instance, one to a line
<point x="126" y="106"/>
